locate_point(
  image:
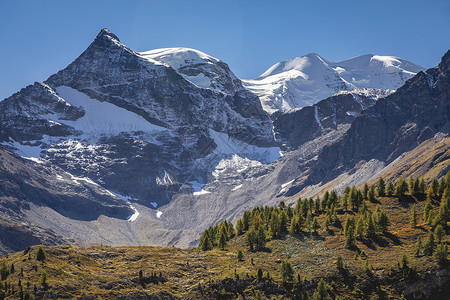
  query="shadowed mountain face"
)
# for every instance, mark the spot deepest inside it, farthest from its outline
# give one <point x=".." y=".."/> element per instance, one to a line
<point x="394" y="125"/>
<point x="298" y="126"/>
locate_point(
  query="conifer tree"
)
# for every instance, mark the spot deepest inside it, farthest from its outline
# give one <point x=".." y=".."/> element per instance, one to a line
<point x="317" y="205"/>
<point x="360" y="227"/>
<point x="239" y="227"/>
<point x="321" y="292"/>
<point x="381" y="187"/>
<point x="427" y="212"/>
<point x="422" y="186"/>
<point x="365" y="191"/>
<point x="250" y="238"/>
<point x="315" y="225"/>
<point x="240" y="255"/>
<point x="345" y="202"/>
<point x="41" y="256"/>
<point x="222" y="241"/>
<point x="274" y="225"/>
<point x="401" y="187"/>
<point x="370" y="227"/>
<point x="418" y="247"/>
<point x="390" y="189"/>
<point x="434" y="189"/>
<point x="441" y="252"/>
<point x="286" y="271"/>
<point x="414" y="216"/>
<point x="439" y="233"/>
<point x="429" y="245"/>
<point x="261" y="239"/>
<point x="205" y="243"/>
<point x="371" y="194"/>
<point x="349" y="233"/>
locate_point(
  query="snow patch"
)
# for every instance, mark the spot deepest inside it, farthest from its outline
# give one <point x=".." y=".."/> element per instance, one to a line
<point x="196" y="186"/>
<point x="230" y="146"/>
<point x="134" y="216"/>
<point x="158" y="214"/>
<point x="236" y="187"/>
<point x="201" y="192"/>
<point x="103" y="118"/>
<point x="287" y="183"/>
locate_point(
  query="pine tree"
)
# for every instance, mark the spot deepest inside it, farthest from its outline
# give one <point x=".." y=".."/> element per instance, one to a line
<point x="41" y="256"/>
<point x="441" y="252"/>
<point x="315" y="225"/>
<point x="371" y="194"/>
<point x="250" y="239"/>
<point x="418" y="248"/>
<point x="239" y="227"/>
<point x="222" y="241"/>
<point x="414" y="216"/>
<point x="286" y="271"/>
<point x="360" y="227"/>
<point x="259" y="274"/>
<point x="390" y="189"/>
<point x="345" y="202"/>
<point x="381" y="187"/>
<point x="365" y="191"/>
<point x="422" y="186"/>
<point x="370" y="227"/>
<point x="439" y="233"/>
<point x="349" y="233"/>
<point x="427" y="212"/>
<point x="240" y="255"/>
<point x="317" y="206"/>
<point x="401" y="187"/>
<point x="43" y="280"/>
<point x="205" y="243"/>
<point x="274" y="225"/>
<point x="429" y="245"/>
<point x="260" y="239"/>
<point x="321" y="292"/>
<point x="404" y="262"/>
<point x="434" y="188"/>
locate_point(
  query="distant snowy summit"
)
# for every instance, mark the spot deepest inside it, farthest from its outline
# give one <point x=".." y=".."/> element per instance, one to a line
<point x="304" y="81"/>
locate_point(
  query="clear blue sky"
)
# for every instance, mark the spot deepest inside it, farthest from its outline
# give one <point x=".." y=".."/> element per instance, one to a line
<point x="38" y="38"/>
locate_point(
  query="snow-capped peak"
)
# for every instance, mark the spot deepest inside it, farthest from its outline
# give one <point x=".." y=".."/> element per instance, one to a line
<point x="305" y="80"/>
<point x="179" y="57"/>
<point x="197" y="67"/>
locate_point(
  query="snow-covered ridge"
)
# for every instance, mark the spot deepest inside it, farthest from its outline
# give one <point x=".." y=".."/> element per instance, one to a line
<point x="306" y="80"/>
<point x="179" y="57"/>
<point x="197" y="67"/>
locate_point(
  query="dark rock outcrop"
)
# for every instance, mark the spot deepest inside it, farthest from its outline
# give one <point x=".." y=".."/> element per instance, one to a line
<point x="298" y="126"/>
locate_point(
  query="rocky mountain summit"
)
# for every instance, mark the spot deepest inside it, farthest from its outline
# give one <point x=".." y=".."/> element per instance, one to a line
<point x="132" y="123"/>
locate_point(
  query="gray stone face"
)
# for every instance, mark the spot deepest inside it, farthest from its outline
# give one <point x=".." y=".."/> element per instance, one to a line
<point x="297" y="126"/>
<point x="396" y="124"/>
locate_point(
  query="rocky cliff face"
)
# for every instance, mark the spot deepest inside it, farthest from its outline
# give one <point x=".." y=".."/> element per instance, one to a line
<point x="298" y="126"/>
<point x="396" y="124"/>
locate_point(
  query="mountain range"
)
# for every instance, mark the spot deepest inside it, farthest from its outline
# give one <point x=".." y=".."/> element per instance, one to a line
<point x="150" y="148"/>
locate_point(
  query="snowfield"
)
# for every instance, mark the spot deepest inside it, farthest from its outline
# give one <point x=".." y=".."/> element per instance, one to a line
<point x="304" y="81"/>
